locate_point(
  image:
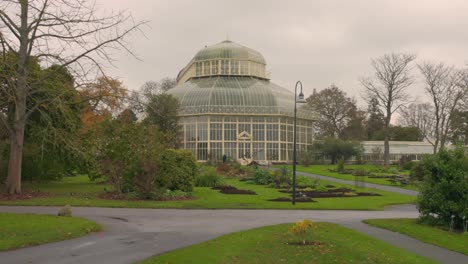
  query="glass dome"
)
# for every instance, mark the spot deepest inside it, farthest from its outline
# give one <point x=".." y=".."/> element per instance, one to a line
<point x="236" y="95"/>
<point x="224" y="59"/>
<point x="228" y="106"/>
<point x="229" y="50"/>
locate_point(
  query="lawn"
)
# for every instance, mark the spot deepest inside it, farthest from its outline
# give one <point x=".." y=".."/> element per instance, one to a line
<point x="80" y="191"/>
<point x="324" y="170"/>
<point x="428" y="234"/>
<point x="22" y="230"/>
<point x="272" y="244"/>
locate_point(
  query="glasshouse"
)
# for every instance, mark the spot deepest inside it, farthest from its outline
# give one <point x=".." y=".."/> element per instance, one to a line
<point x="229" y="106"/>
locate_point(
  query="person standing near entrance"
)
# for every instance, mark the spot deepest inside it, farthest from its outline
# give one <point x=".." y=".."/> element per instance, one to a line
<point x="224" y="158"/>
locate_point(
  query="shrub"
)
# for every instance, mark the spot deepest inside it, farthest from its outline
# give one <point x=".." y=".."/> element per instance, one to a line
<point x="305" y="181"/>
<point x="409" y="165"/>
<point x="128" y="156"/>
<point x="208" y="178"/>
<point x="360" y="172"/>
<point x="281" y="177"/>
<point x="444" y="190"/>
<point x="223" y="168"/>
<point x="178" y="170"/>
<point x="393" y="170"/>
<point x="301" y="229"/>
<point x="65" y="211"/>
<point x="340" y="166"/>
<point x="305" y="158"/>
<point x="262" y="177"/>
<point x="417" y="172"/>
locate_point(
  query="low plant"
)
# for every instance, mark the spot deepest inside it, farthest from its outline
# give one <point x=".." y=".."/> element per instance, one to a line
<point x="409" y="165"/>
<point x="417" y="172"/>
<point x="223" y="168"/>
<point x="340" y="166"/>
<point x="393" y="170"/>
<point x="65" y="211"/>
<point x="305" y="181"/>
<point x="281" y="177"/>
<point x="208" y="178"/>
<point x="301" y="229"/>
<point x="360" y="172"/>
<point x="262" y="177"/>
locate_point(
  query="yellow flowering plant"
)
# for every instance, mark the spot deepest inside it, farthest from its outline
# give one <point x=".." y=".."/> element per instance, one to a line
<point x="301" y="229"/>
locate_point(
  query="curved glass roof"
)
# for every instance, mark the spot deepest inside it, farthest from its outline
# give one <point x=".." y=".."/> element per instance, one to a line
<point x="229" y="50"/>
<point x="236" y="95"/>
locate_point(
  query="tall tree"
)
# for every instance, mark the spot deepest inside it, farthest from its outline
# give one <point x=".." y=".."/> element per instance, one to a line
<point x="148" y="90"/>
<point x="68" y="33"/>
<point x="102" y="98"/>
<point x="162" y="111"/>
<point x="444" y="86"/>
<point x="334" y="108"/>
<point x="389" y="85"/>
<point x="420" y="115"/>
<point x="459" y="127"/>
<point x="376" y="120"/>
<point x="355" y="127"/>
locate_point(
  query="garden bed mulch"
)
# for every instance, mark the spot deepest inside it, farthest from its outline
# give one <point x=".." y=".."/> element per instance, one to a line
<point x="124" y="197"/>
<point x="24" y="195"/>
<point x="331" y="193"/>
<point x="298" y="199"/>
<point x="228" y="189"/>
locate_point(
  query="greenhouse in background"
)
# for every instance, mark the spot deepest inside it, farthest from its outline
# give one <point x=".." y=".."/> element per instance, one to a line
<point x="229" y="106"/>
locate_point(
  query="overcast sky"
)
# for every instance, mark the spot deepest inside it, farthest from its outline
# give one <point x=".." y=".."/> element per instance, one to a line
<point x="317" y="42"/>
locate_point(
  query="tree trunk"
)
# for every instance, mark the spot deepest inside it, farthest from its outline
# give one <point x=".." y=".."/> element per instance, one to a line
<point x="13" y="183"/>
<point x="2" y="150"/>
<point x="387" y="137"/>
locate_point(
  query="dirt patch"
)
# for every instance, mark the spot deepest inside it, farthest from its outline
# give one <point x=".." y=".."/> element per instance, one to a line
<point x="224" y="187"/>
<point x="326" y="194"/>
<point x="298" y="199"/>
<point x="307" y="243"/>
<point x="124" y="197"/>
<point x="237" y="191"/>
<point x="24" y="195"/>
<point x="228" y="189"/>
<point x="367" y="194"/>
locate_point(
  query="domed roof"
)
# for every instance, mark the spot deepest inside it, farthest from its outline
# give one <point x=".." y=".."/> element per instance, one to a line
<point x="229" y="50"/>
<point x="235" y="95"/>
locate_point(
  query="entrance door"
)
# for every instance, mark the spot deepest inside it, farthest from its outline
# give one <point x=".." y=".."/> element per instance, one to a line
<point x="244" y="150"/>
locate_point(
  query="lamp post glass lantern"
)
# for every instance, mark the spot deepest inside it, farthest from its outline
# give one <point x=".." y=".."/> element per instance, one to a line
<point x="297" y="99"/>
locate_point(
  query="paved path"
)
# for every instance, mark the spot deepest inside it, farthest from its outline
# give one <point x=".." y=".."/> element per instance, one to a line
<point x="134" y="234"/>
<point x="368" y="185"/>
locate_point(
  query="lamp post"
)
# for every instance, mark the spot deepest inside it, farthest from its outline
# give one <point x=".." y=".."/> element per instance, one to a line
<point x="297" y="99"/>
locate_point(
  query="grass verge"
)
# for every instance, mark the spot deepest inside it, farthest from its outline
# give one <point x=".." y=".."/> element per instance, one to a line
<point x="22" y="230"/>
<point x="80" y="191"/>
<point x="428" y="234"/>
<point x="272" y="244"/>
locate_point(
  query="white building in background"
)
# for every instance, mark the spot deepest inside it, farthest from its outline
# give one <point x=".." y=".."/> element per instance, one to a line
<point x="415" y="150"/>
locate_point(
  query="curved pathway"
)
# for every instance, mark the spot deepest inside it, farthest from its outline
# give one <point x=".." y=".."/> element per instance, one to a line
<point x="134" y="234"/>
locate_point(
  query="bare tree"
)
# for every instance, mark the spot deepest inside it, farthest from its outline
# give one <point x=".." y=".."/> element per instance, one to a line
<point x="445" y="87"/>
<point x="69" y="33"/>
<point x="420" y="115"/>
<point x="392" y="78"/>
<point x="334" y="108"/>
